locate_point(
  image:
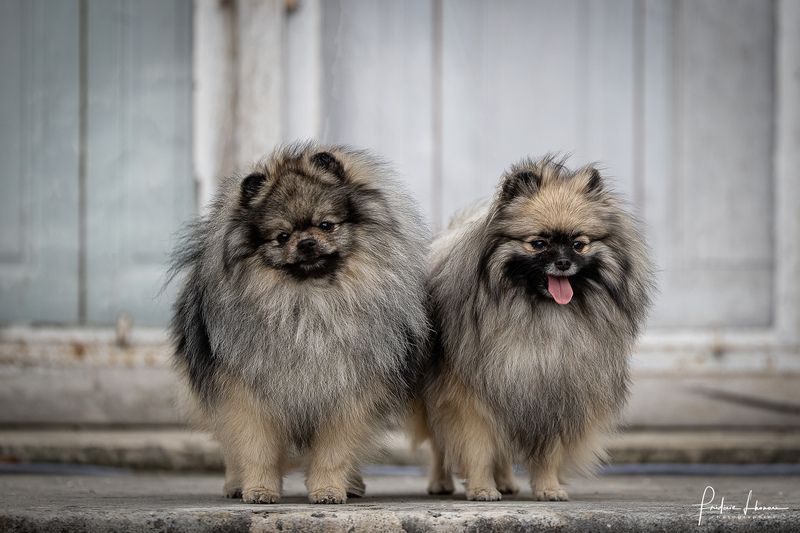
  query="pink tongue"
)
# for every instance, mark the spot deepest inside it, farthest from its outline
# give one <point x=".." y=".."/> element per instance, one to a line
<point x="560" y="289"/>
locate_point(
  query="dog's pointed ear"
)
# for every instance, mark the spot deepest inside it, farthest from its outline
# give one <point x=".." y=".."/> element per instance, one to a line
<point x="327" y="162"/>
<point x="250" y="187"/>
<point x="594" y="181"/>
<point x="518" y="183"/>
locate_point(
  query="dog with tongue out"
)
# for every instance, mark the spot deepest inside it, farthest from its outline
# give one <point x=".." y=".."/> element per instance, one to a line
<point x="536" y="299"/>
<point x="560" y="289"/>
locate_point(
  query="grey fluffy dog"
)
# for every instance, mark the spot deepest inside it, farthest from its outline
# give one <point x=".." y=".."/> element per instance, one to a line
<point x="537" y="299"/>
<point x="301" y="325"/>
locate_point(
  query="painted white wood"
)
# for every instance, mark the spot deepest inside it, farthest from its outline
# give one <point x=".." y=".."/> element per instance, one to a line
<point x="259" y="38"/>
<point x="708" y="181"/>
<point x="239" y="100"/>
<point x="213" y="68"/>
<point x="39" y="121"/>
<point x="139" y="174"/>
<point x="378" y="82"/>
<point x="725" y="90"/>
<point x="303" y="72"/>
<point x="787" y="170"/>
<point x="515" y="78"/>
<point x="657" y="121"/>
<point x="526" y="78"/>
<point x="608" y="88"/>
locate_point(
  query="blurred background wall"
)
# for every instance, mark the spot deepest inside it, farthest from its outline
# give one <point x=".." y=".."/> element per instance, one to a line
<point x="118" y="116"/>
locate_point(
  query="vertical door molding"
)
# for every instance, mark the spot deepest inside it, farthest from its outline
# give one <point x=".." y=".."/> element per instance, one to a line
<point x="259" y="47"/>
<point x="787" y="175"/>
<point x="303" y="70"/>
<point x="214" y="96"/>
<point x="238" y="87"/>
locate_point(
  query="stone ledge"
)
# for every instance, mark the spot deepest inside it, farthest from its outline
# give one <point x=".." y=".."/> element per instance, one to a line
<point x="183" y="450"/>
<point x="180" y="502"/>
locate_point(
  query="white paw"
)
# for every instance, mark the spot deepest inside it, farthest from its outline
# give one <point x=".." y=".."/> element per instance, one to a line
<point x="484" y="495"/>
<point x="260" y="495"/>
<point x="328" y="495"/>
<point x="551" y="494"/>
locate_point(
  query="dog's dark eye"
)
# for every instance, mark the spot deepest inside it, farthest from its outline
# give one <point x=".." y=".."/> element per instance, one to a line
<point x="538" y="244"/>
<point x="326" y="226"/>
<point x="578" y="245"/>
<point x="282" y="238"/>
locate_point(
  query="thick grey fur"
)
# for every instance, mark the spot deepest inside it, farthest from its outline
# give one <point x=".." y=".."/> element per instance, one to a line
<point x="549" y="373"/>
<point x="304" y="346"/>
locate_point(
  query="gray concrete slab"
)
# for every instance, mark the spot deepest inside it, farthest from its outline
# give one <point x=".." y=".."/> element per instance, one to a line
<point x="170" y="502"/>
<point x="181" y="449"/>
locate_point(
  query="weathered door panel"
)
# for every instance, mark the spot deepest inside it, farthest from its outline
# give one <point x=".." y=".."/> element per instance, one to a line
<point x="39" y="124"/>
<point x="527" y="78"/>
<point x="139" y="174"/>
<point x="706" y="149"/>
<point x="377" y="84"/>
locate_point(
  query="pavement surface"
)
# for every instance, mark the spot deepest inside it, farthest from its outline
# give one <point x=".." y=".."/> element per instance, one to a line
<point x="45" y="498"/>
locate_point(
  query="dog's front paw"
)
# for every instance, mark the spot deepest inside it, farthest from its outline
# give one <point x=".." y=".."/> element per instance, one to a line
<point x="484" y="495"/>
<point x="441" y="486"/>
<point x="551" y="494"/>
<point x="508" y="487"/>
<point x="232" y="490"/>
<point x="328" y="495"/>
<point x="260" y="495"/>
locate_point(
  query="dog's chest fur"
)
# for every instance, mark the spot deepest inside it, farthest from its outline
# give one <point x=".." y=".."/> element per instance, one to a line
<point x="309" y="356"/>
<point x="553" y="373"/>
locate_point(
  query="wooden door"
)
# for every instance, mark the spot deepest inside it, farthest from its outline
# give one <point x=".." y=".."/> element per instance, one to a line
<point x="39" y="185"/>
<point x="95" y="158"/>
<point x="672" y="99"/>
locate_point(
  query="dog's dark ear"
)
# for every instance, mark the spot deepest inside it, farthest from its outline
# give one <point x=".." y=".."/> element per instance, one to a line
<point x="241" y="241"/>
<point x="327" y="162"/>
<point x="250" y="187"/>
<point x="521" y="182"/>
<point x="594" y="182"/>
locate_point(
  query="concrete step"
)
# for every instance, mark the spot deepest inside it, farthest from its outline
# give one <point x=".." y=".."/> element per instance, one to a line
<point x="179" y="449"/>
<point x="397" y="502"/>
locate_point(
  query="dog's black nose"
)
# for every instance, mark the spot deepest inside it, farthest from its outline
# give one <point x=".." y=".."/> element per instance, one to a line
<point x="307" y="246"/>
<point x="563" y="264"/>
